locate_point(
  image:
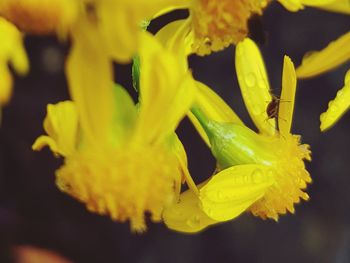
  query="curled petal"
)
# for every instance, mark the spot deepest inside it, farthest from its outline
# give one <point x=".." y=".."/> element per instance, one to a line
<point x="61" y="125"/>
<point x="178" y="149"/>
<point x="254" y="85"/>
<point x="186" y="215"/>
<point x="338" y="106"/>
<point x="336" y="53"/>
<point x="286" y="104"/>
<point x="233" y="190"/>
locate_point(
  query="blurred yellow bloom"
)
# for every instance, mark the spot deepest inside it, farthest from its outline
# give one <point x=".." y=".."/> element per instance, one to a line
<point x="11" y="51"/>
<point x="214" y="25"/>
<point x="40" y="16"/>
<point x="260" y="172"/>
<point x="120" y="160"/>
<point x="117" y="20"/>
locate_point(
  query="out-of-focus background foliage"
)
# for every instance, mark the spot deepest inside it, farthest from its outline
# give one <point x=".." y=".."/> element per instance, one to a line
<point x="34" y="212"/>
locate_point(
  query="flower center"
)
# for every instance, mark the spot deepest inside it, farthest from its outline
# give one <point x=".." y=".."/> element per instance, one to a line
<point x="219" y="23"/>
<point x="291" y="178"/>
<point x="123" y="184"/>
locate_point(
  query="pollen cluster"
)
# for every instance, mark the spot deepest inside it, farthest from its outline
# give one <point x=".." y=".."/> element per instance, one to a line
<point x="123" y="184"/>
<point x="219" y="23"/>
<point x="290" y="177"/>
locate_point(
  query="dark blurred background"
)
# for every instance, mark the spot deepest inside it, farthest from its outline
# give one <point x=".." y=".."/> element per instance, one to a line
<point x="34" y="212"/>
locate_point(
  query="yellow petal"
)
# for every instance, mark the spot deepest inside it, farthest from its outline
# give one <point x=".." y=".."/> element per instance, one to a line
<point x="119" y="28"/>
<point x="45" y="140"/>
<point x="296" y="5"/>
<point x="338" y="106"/>
<point x="292" y="5"/>
<point x="254" y="84"/>
<point x="286" y="104"/>
<point x="176" y="36"/>
<point x="213" y="107"/>
<point x="6" y="82"/>
<point x="90" y="80"/>
<point x="119" y="21"/>
<point x="61" y="125"/>
<point x="166" y="91"/>
<point x="233" y="190"/>
<point x="179" y="4"/>
<point x="336" y="53"/>
<point x="340" y="6"/>
<point x="186" y="215"/>
<point x="11" y="51"/>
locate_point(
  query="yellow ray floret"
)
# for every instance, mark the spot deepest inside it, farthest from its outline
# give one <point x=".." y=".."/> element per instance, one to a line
<point x="296" y="5"/>
<point x="126" y="161"/>
<point x="335" y="54"/>
<point x="11" y="51"/>
<point x="338" y="106"/>
<point x="254" y="84"/>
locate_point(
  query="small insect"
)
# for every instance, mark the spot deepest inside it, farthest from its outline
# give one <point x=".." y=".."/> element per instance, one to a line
<point x="273" y="107"/>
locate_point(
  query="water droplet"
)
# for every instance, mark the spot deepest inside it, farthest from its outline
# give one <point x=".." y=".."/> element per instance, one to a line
<point x="220" y="195"/>
<point x="250" y="80"/>
<point x="194" y="221"/>
<point x="257" y="176"/>
<point x="262" y="84"/>
<point x="340" y="92"/>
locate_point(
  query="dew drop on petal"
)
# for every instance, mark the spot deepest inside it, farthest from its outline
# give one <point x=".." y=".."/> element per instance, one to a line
<point x="250" y="80"/>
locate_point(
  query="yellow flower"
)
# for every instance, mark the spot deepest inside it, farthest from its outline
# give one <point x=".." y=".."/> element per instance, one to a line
<point x="11" y="51"/>
<point x="120" y="160"/>
<point x="214" y="25"/>
<point x="318" y="62"/>
<point x="263" y="172"/>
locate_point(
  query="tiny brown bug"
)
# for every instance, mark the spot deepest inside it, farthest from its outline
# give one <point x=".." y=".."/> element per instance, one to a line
<point x="273" y="107"/>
